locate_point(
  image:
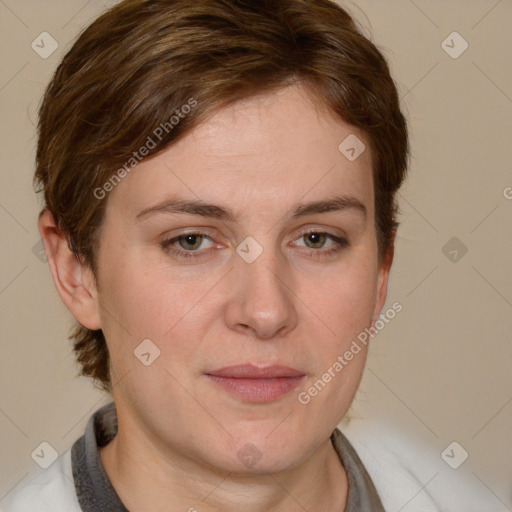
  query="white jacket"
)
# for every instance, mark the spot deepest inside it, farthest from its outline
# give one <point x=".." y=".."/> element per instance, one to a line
<point x="397" y="481"/>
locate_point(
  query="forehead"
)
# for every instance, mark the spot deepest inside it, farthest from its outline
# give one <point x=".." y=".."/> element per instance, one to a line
<point x="261" y="154"/>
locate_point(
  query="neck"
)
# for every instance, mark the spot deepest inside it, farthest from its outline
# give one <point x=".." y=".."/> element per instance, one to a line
<point x="144" y="479"/>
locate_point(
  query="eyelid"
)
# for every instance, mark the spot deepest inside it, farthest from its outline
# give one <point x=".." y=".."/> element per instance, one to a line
<point x="339" y="242"/>
<point x="205" y="232"/>
<point x="322" y="229"/>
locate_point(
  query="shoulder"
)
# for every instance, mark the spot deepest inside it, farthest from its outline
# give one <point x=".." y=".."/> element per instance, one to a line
<point x="409" y="473"/>
<point x="47" y="490"/>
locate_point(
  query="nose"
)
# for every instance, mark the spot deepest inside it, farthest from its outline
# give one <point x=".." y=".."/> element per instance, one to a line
<point x="261" y="300"/>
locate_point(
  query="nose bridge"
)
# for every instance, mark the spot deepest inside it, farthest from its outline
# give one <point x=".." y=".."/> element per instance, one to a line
<point x="261" y="298"/>
<point x="261" y="274"/>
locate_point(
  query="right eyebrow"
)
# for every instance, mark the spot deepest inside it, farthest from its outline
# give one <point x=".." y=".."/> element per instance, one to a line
<point x="190" y="206"/>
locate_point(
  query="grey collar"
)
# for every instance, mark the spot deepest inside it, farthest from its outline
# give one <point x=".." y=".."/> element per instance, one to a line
<point x="95" y="492"/>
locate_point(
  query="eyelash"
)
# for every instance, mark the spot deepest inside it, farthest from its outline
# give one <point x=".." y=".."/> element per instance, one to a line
<point x="340" y="243"/>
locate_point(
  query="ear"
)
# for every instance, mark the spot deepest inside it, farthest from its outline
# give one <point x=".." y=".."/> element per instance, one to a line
<point x="383" y="276"/>
<point x="74" y="282"/>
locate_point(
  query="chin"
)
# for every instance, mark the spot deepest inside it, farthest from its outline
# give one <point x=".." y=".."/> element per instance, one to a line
<point x="259" y="453"/>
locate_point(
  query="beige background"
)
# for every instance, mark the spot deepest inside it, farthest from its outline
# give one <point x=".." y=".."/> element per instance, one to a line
<point x="441" y="370"/>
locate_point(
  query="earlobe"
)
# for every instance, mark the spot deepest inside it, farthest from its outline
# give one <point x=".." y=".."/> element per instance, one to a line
<point x="74" y="282"/>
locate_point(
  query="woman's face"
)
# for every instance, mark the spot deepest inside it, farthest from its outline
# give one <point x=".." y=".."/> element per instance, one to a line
<point x="251" y="286"/>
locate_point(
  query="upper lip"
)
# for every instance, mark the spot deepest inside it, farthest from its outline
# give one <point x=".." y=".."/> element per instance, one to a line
<point x="250" y="371"/>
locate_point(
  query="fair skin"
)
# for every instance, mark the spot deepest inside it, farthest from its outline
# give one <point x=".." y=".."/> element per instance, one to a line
<point x="179" y="434"/>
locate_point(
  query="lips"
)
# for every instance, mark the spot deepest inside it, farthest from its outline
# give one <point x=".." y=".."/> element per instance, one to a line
<point x="251" y="383"/>
<point x="250" y="371"/>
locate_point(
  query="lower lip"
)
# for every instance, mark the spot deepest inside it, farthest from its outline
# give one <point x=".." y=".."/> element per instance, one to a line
<point x="257" y="390"/>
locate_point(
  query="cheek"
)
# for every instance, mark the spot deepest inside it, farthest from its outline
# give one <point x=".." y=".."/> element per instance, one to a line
<point x="163" y="302"/>
<point x="345" y="301"/>
<point x="160" y="304"/>
<point x="133" y="305"/>
<point x="345" y="306"/>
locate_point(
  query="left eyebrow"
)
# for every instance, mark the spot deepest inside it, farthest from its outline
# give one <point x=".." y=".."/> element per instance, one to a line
<point x="197" y="207"/>
<point x="338" y="203"/>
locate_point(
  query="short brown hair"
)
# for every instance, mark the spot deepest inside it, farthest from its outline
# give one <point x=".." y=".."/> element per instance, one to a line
<point x="142" y="60"/>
